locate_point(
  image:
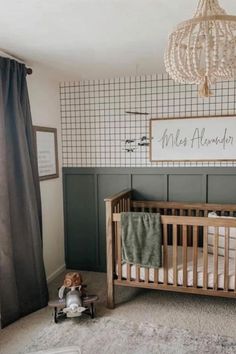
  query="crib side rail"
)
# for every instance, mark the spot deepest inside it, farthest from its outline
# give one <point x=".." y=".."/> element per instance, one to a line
<point x="180" y="226"/>
<point x="190" y="221"/>
<point x="183" y="208"/>
<point x="115" y="204"/>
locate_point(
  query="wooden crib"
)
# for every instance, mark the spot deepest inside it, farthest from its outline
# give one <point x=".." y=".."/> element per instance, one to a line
<point x="187" y="265"/>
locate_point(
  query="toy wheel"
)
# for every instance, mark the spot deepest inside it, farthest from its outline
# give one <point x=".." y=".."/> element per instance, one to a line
<point x="55" y="315"/>
<point x="92" y="310"/>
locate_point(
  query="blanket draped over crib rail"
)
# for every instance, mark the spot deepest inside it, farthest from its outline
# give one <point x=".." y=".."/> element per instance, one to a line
<point x="141" y="239"/>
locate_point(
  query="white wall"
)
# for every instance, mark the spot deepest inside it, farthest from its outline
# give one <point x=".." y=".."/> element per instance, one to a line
<point x="45" y="108"/>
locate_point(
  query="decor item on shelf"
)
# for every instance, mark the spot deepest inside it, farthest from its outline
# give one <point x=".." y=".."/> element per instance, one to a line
<point x="202" y="50"/>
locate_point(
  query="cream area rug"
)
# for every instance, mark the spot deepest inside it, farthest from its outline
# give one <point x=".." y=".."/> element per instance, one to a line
<point x="143" y="322"/>
<point x="108" y="336"/>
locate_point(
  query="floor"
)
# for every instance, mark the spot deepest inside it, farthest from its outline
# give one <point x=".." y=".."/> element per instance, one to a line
<point x="181" y="312"/>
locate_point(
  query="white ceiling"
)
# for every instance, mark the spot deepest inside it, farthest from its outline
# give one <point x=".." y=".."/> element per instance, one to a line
<point x="81" y="39"/>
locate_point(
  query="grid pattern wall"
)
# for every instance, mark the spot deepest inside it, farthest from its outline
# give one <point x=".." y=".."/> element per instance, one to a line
<point x="97" y="131"/>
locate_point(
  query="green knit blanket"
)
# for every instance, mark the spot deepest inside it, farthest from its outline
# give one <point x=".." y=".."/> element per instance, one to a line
<point x="141" y="239"/>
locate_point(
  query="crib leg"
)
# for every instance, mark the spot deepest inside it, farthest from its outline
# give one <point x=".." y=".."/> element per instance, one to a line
<point x="110" y="295"/>
<point x="110" y="255"/>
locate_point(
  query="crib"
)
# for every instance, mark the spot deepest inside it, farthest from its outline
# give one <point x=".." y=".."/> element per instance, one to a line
<point x="187" y="265"/>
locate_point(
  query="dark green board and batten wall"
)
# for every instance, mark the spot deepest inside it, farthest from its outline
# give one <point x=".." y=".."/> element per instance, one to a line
<point x="86" y="188"/>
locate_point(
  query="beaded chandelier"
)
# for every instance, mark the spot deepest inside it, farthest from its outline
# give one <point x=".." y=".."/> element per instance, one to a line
<point x="203" y="50"/>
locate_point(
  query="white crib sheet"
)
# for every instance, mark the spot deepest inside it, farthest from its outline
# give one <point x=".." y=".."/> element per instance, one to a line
<point x="189" y="270"/>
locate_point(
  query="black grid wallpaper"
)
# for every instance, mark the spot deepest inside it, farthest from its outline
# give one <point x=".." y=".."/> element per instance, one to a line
<point x="97" y="131"/>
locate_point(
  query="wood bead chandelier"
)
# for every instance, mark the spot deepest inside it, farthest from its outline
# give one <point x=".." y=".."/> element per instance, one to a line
<point x="203" y="50"/>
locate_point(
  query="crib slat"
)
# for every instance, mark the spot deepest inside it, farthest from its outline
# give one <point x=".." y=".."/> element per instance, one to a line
<point x="147" y="275"/>
<point x="184" y="255"/>
<point x="115" y="233"/>
<point x="226" y="260"/>
<point x="126" y="208"/>
<point x="215" y="257"/>
<point x="124" y="205"/>
<point x="128" y="271"/>
<point x="165" y="253"/>
<point x="205" y="257"/>
<point x="137" y="272"/>
<point x="128" y="204"/>
<point x="119" y="251"/>
<point x="156" y="273"/>
<point x="195" y="255"/>
<point x="189" y="230"/>
<point x="175" y="255"/>
<point x="235" y="274"/>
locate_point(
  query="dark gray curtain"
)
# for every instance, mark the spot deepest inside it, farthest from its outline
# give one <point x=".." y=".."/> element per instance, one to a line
<point x="23" y="287"/>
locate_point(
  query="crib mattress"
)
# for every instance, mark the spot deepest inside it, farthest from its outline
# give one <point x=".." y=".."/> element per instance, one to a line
<point x="231" y="279"/>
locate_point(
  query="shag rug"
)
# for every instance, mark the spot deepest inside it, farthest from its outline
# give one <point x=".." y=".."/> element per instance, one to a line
<point x="105" y="335"/>
<point x="143" y="322"/>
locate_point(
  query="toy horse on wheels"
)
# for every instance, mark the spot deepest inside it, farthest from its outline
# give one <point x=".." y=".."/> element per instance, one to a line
<point x="72" y="299"/>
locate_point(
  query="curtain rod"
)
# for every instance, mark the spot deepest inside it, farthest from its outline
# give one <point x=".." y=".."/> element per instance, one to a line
<point x="10" y="56"/>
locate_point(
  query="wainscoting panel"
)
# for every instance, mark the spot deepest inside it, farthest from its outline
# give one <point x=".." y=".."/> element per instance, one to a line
<point x="221" y="188"/>
<point x="80" y="221"/>
<point x="187" y="188"/>
<point x="86" y="188"/>
<point x="149" y="186"/>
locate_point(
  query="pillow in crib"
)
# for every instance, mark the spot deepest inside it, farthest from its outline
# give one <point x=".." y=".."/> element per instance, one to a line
<point x="221" y="243"/>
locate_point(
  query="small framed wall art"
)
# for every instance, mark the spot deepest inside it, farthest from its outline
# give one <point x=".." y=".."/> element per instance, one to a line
<point x="193" y="139"/>
<point x="47" y="152"/>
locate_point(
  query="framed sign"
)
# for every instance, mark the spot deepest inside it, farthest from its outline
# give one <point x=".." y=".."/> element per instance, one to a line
<point x="193" y="139"/>
<point x="47" y="153"/>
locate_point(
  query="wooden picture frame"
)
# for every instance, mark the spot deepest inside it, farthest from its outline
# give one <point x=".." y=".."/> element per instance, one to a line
<point x="189" y="139"/>
<point x="47" y="152"/>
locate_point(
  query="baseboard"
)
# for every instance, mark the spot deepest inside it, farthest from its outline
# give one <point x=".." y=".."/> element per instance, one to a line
<point x="54" y="274"/>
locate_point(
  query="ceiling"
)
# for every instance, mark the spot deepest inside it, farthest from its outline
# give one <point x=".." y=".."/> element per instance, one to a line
<point x="80" y="39"/>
